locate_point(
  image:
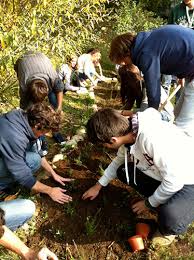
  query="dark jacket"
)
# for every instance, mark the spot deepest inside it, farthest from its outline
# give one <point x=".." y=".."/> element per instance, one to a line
<point x="15" y="135"/>
<point x="167" y="50"/>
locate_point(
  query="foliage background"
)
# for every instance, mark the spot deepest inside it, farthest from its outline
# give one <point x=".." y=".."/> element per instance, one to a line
<point x="62" y="27"/>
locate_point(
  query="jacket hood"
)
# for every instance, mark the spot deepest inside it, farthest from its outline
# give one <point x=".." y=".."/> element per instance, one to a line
<point x="18" y="120"/>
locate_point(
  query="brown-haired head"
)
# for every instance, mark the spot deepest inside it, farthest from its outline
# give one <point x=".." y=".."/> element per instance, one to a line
<point x="105" y="124"/>
<point x="120" y="47"/>
<point x="43" y="116"/>
<point x="131" y="90"/>
<point x="37" y="90"/>
<point x="72" y="61"/>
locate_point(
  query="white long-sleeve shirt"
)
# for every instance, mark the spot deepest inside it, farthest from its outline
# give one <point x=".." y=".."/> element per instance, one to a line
<point x="163" y="151"/>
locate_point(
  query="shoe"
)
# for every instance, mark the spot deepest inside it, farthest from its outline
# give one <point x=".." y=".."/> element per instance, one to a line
<point x="58" y="138"/>
<point x="162" y="240"/>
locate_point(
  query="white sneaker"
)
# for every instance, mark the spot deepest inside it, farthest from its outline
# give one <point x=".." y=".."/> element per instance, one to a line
<point x="162" y="240"/>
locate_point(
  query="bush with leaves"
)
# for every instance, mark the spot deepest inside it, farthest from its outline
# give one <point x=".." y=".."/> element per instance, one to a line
<point x="55" y="27"/>
<point x="134" y="17"/>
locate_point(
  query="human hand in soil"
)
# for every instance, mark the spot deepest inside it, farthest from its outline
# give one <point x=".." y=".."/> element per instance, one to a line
<point x="60" y="179"/>
<point x="57" y="194"/>
<point x="93" y="192"/>
<point x="139" y="207"/>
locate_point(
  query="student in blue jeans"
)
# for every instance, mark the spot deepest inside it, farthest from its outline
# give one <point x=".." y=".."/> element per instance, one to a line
<point x="14" y="214"/>
<point x="18" y="129"/>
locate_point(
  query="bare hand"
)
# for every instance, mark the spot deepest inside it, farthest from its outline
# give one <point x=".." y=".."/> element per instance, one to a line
<point x="60" y="179"/>
<point x="45" y="254"/>
<point x="57" y="194"/>
<point x="139" y="207"/>
<point x="92" y="193"/>
<point x="181" y="82"/>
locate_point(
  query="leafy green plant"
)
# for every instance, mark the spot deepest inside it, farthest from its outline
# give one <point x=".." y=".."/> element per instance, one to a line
<point x="100" y="170"/>
<point x="78" y="161"/>
<point x="92" y="223"/>
<point x="70" y="208"/>
<point x="134" y="17"/>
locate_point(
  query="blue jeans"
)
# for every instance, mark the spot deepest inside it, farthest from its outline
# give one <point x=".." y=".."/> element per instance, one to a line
<point x="176" y="214"/>
<point x="33" y="160"/>
<point x="17" y="212"/>
<point x="184" y="109"/>
<point x="53" y="99"/>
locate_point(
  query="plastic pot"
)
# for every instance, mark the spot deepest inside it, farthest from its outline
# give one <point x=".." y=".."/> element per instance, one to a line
<point x="143" y="230"/>
<point x="136" y="243"/>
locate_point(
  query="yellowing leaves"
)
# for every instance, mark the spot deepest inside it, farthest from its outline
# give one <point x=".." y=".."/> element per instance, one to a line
<point x="33" y="27"/>
<point x="44" y="3"/>
<point x="2" y="42"/>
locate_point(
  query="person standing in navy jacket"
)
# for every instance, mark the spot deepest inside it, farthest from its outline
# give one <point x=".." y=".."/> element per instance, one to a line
<point x="166" y="50"/>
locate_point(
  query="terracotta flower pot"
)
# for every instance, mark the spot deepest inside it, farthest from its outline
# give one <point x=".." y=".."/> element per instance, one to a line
<point x="136" y="243"/>
<point x="143" y="230"/>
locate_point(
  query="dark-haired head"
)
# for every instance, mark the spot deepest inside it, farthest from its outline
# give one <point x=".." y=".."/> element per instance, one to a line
<point x="131" y="87"/>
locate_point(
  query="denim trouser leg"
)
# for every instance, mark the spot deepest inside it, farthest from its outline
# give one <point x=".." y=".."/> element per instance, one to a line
<point x="53" y="99"/>
<point x="17" y="212"/>
<point x="176" y="214"/>
<point x="33" y="160"/>
<point x="184" y="109"/>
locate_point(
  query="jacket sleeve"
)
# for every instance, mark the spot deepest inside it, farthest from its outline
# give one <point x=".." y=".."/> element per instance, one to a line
<point x="150" y="67"/>
<point x="15" y="162"/>
<point x="168" y="161"/>
<point x="111" y="171"/>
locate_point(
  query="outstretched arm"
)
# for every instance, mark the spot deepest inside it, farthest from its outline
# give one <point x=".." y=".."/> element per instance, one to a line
<point x="92" y="192"/>
<point x="10" y="241"/>
<point x="59" y="100"/>
<point x="56" y="193"/>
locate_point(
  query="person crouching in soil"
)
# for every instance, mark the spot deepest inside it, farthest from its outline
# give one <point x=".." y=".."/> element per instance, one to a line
<point x="159" y="170"/>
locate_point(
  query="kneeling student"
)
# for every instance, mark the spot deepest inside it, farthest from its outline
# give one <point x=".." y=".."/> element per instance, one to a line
<point x="160" y="170"/>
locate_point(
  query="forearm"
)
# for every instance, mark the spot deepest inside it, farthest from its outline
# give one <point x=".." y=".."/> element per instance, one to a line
<point x="100" y="70"/>
<point x="42" y="188"/>
<point x="10" y="241"/>
<point x="98" y="186"/>
<point x="98" y="76"/>
<point x="59" y="100"/>
<point x="90" y="78"/>
<point x="47" y="167"/>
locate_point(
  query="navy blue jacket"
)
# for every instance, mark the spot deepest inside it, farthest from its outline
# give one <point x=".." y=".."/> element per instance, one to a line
<point x="15" y="135"/>
<point x="167" y="50"/>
